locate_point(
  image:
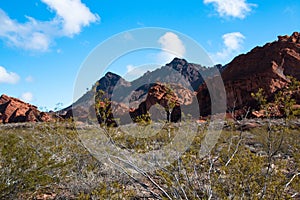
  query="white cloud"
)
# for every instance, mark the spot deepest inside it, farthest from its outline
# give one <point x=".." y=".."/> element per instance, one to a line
<point x="38" y="41"/>
<point x="38" y="35"/>
<point x="231" y="8"/>
<point x="8" y="77"/>
<point x="27" y="97"/>
<point x="73" y="14"/>
<point x="29" y="36"/>
<point x="172" y="47"/>
<point x="232" y="46"/>
<point x="233" y="41"/>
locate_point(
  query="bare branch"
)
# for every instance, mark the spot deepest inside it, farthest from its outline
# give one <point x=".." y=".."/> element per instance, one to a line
<point x="291" y="180"/>
<point x="145" y="174"/>
<point x="235" y="151"/>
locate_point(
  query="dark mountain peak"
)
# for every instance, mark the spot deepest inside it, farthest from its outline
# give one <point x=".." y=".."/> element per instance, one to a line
<point x="194" y="73"/>
<point x="177" y="61"/>
<point x="110" y="80"/>
<point x="182" y="66"/>
<point x="111" y="75"/>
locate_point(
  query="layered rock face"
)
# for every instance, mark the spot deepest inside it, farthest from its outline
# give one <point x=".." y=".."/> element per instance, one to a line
<point x="164" y="96"/>
<point x="13" y="110"/>
<point x="264" y="67"/>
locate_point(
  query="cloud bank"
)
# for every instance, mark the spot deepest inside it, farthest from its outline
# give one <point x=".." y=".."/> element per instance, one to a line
<point x="71" y="17"/>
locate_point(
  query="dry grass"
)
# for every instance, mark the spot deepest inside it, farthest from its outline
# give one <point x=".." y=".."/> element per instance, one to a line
<point x="39" y="159"/>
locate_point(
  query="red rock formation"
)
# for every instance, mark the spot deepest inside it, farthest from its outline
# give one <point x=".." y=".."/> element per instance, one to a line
<point x="170" y="99"/>
<point x="264" y="67"/>
<point x="13" y="110"/>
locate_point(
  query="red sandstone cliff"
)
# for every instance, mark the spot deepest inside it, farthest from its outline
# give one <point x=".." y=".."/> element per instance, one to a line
<point x="264" y="67"/>
<point x="13" y="110"/>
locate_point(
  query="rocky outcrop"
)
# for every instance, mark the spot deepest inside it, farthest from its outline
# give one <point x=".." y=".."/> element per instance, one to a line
<point x="162" y="95"/>
<point x="264" y="67"/>
<point x="13" y="110"/>
<point x="121" y="92"/>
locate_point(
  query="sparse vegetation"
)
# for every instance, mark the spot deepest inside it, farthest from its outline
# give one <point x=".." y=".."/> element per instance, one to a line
<point x="50" y="158"/>
<point x="262" y="162"/>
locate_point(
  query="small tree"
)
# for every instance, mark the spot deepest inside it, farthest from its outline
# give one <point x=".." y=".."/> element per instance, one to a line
<point x="103" y="109"/>
<point x="284" y="101"/>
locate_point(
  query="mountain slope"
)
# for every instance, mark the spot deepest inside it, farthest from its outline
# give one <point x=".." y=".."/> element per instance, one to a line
<point x="264" y="67"/>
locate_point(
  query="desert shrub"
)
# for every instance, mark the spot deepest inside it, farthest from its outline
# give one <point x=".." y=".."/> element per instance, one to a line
<point x="31" y="159"/>
<point x="261" y="163"/>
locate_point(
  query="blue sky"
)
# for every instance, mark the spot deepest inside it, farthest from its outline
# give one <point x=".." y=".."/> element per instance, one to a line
<point x="43" y="43"/>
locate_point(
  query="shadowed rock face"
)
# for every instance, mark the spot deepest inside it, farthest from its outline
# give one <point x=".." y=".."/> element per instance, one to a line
<point x="164" y="96"/>
<point x="264" y="67"/>
<point x="13" y="110"/>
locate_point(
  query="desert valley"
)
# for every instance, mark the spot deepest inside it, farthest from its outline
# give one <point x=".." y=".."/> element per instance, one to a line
<point x="54" y="155"/>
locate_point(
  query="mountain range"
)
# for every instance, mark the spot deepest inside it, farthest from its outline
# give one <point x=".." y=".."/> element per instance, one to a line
<point x="185" y="85"/>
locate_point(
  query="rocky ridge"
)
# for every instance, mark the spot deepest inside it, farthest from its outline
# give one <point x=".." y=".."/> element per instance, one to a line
<point x="127" y="96"/>
<point x="266" y="67"/>
<point x="13" y="110"/>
